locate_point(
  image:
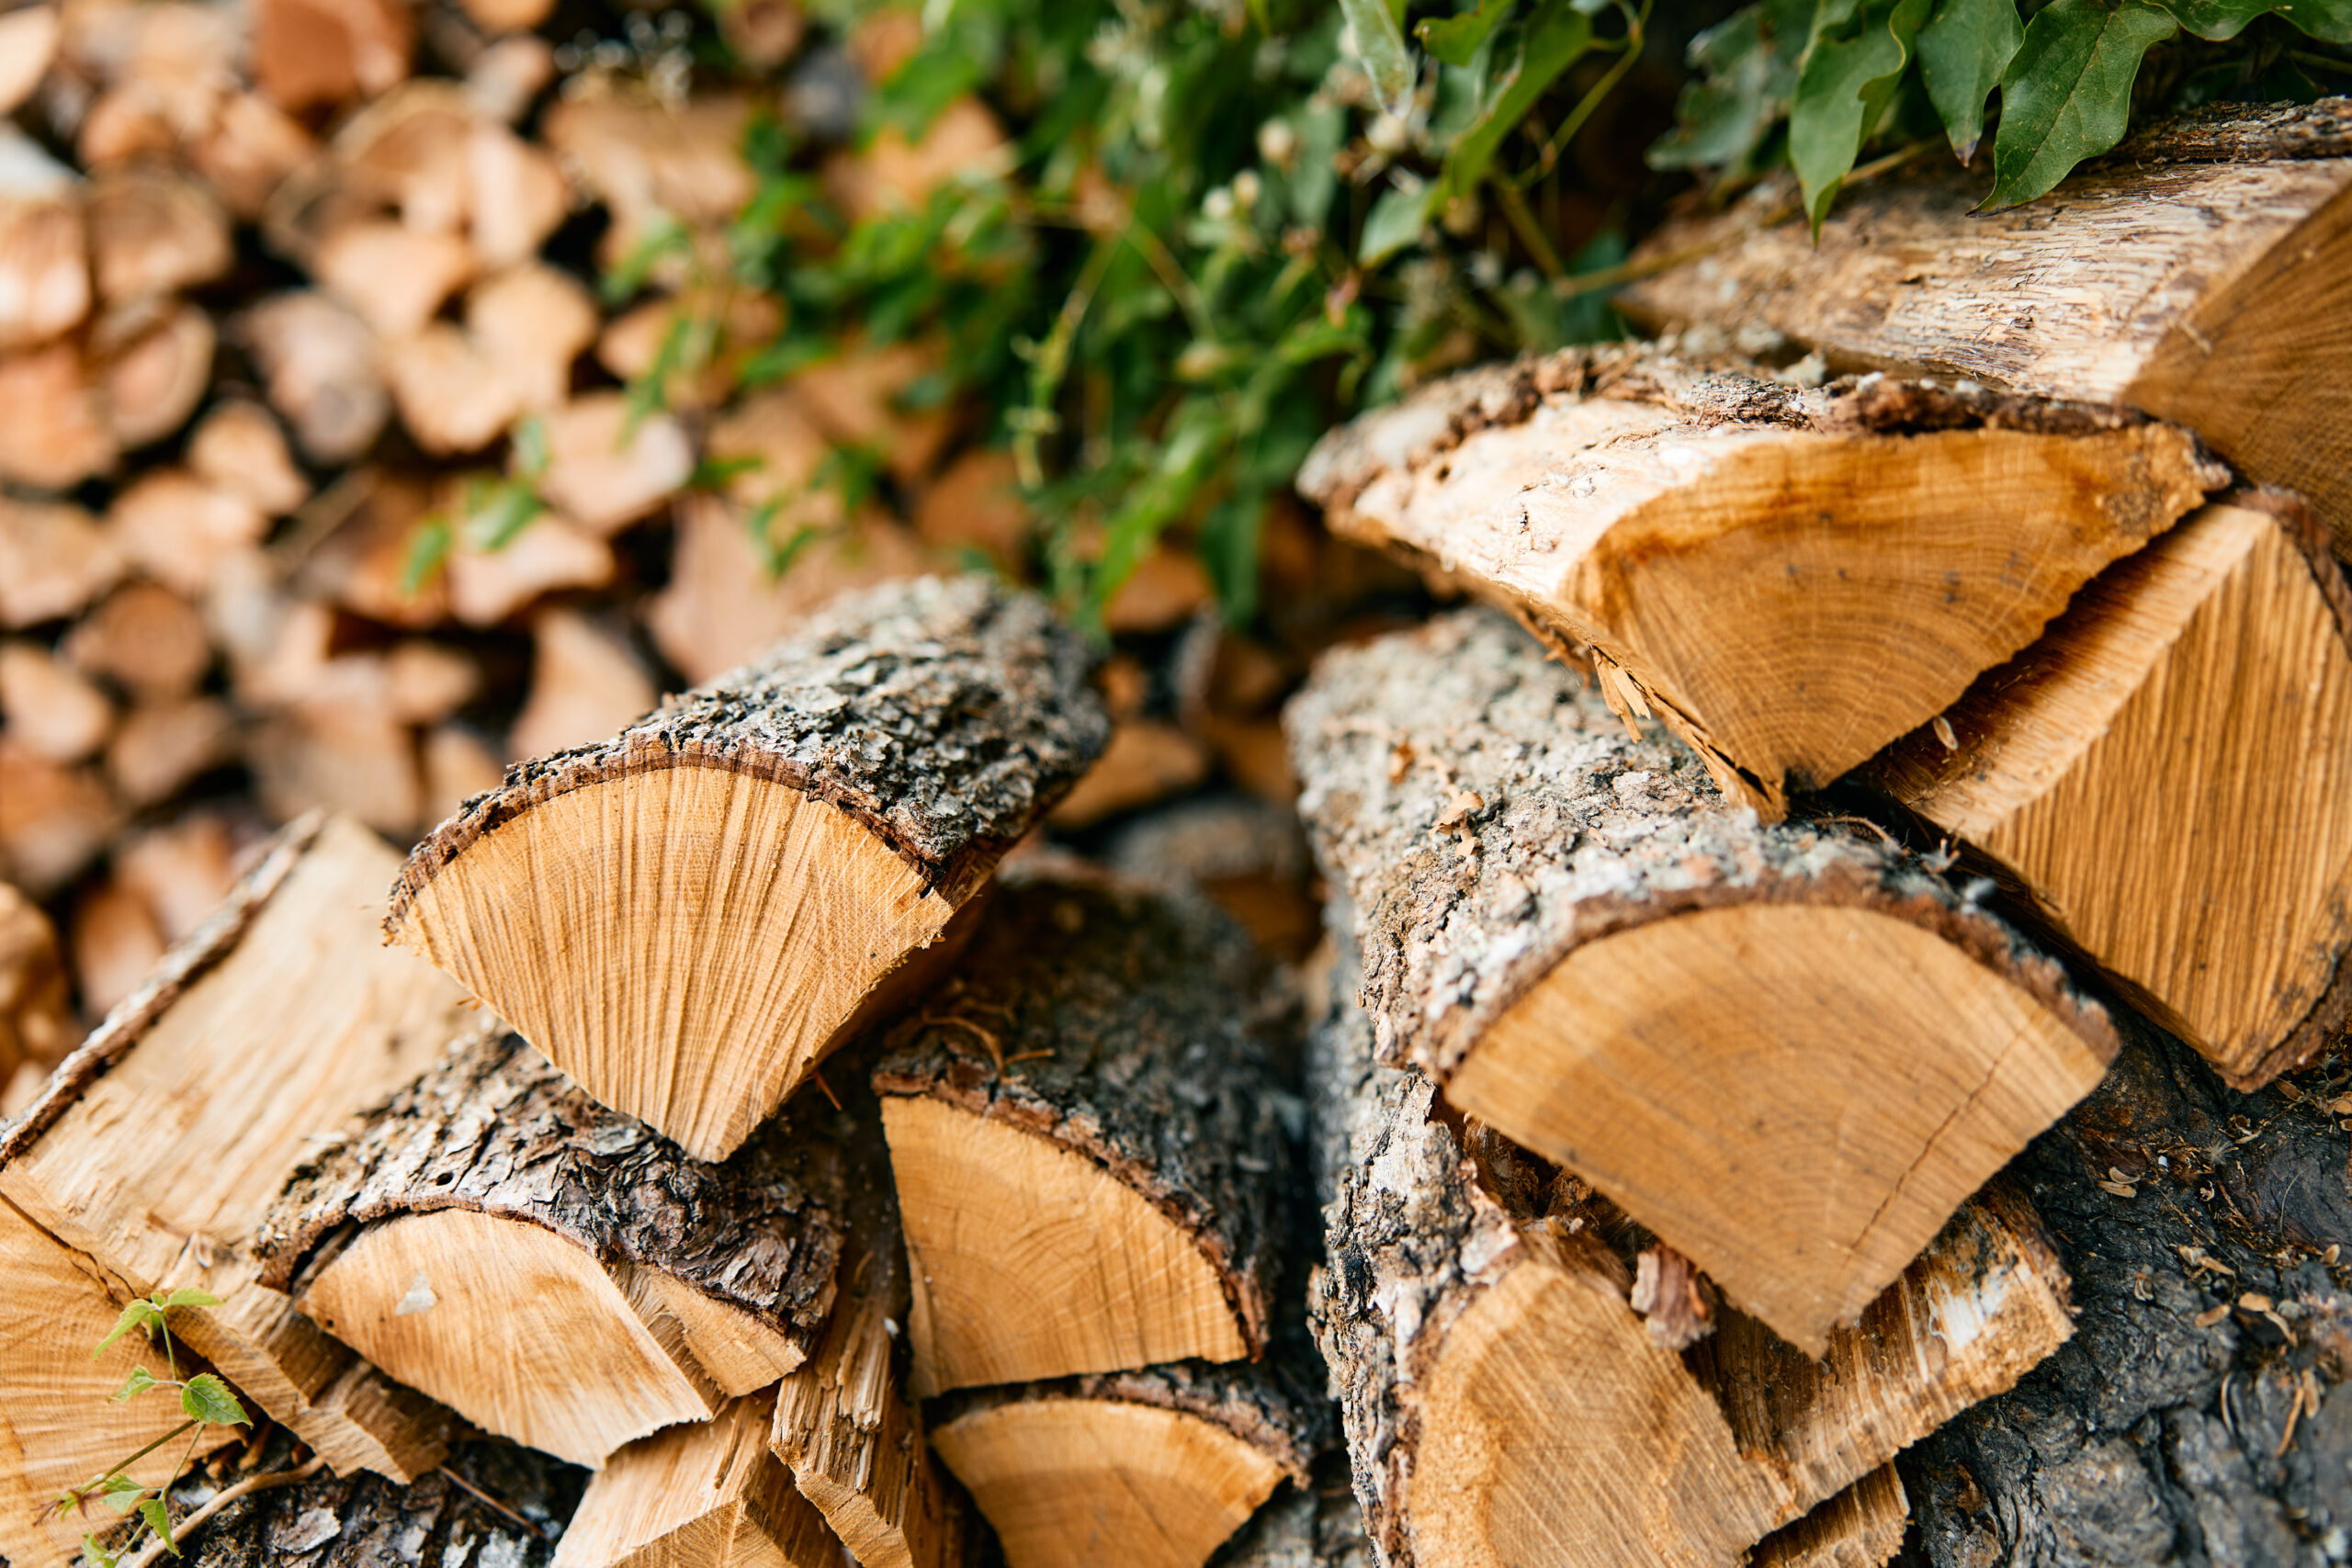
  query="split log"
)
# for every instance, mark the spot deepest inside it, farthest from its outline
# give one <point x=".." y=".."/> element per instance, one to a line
<point x="252" y="146"/>
<point x="533" y="321"/>
<point x="239" y="449"/>
<point x="53" y="819"/>
<point x="182" y="870"/>
<point x="44" y="273"/>
<point x="425" y="681"/>
<point x="1146" y="762"/>
<point x="310" y="52"/>
<point x="448" y="391"/>
<point x="1084" y="1134"/>
<point x="146" y="639"/>
<point x="28" y="43"/>
<point x="162" y="746"/>
<point x="608" y="466"/>
<point x="54" y="559"/>
<point x="116" y="942"/>
<point x="457" y="764"/>
<point x="391" y="276"/>
<point x="178" y="529"/>
<point x="2203" y="273"/>
<point x="1862" y="1527"/>
<point x="1154" y="1468"/>
<point x="709" y="1495"/>
<point x="648" y="162"/>
<point x="585" y="683"/>
<point x="35" y="1014"/>
<point x="58" y="1426"/>
<point x="48" y="708"/>
<point x="843" y="1423"/>
<point x="1790" y="579"/>
<point x="1315" y="1526"/>
<point x="319" y="362"/>
<point x="2206" y="681"/>
<point x="356" y="760"/>
<point x="1791" y="1049"/>
<point x="154" y="362"/>
<point x="871" y="772"/>
<point x="490" y="1505"/>
<point x="856" y="399"/>
<point x="554" y="1271"/>
<point x="121" y="1157"/>
<point x="552" y="553"/>
<point x="2199" y="1414"/>
<point x="53" y="432"/>
<point x="153" y="232"/>
<point x="1503" y="1399"/>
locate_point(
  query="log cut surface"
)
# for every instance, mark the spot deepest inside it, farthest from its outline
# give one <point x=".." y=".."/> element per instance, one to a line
<point x="2206" y="681"/>
<point x="2203" y="273"/>
<point x="281" y="1015"/>
<point x="1789" y="578"/>
<point x="696" y="1282"/>
<point x="733" y="878"/>
<point x="1156" y="1467"/>
<point x="1586" y="946"/>
<point x="1085" y="1140"/>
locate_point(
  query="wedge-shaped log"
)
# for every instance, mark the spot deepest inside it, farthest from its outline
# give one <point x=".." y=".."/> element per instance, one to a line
<point x="1503" y="1401"/>
<point x="1083" y="1131"/>
<point x="710" y="1496"/>
<point x="2204" y="273"/>
<point x="2168" y="771"/>
<point x="1789" y="1049"/>
<point x="557" y="1272"/>
<point x="1790" y="579"/>
<point x="685" y="918"/>
<point x="1860" y="1527"/>
<point x="844" y="1423"/>
<point x="158" y="1146"/>
<point x="1154" y="1468"/>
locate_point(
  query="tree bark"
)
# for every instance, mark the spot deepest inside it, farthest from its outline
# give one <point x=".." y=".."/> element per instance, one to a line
<point x="2196" y="1416"/>
<point x="745" y="877"/>
<point x="1789" y="578"/>
<point x="1473" y="1312"/>
<point x="1112" y="1041"/>
<point x="154" y="1149"/>
<point x="1542" y="898"/>
<point x="1318" y="1525"/>
<point x="2203" y="273"/>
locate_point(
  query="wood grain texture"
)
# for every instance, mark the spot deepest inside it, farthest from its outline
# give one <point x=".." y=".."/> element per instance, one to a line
<point x="740" y="881"/>
<point x="2202" y="687"/>
<point x="1789" y="578"/>
<point x="1586" y="946"/>
<point x="123" y="1158"/>
<point x="1085" y="1136"/>
<point x="1859" y="1527"/>
<point x="2203" y="274"/>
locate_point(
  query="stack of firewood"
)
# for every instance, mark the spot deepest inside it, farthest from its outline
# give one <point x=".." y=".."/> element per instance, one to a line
<point x="1773" y="1006"/>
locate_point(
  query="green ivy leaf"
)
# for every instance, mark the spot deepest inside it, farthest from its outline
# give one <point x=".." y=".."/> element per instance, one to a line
<point x="1962" y="51"/>
<point x="206" y="1398"/>
<point x="497" y="510"/>
<point x="159" y="1519"/>
<point x="428" y="546"/>
<point x="2067" y="95"/>
<point x="1842" y="90"/>
<point x="139" y="1380"/>
<point x="1380" y="45"/>
<point x="2222" y="19"/>
<point x="1558" y="37"/>
<point x="188" y="1296"/>
<point x="1455" y="40"/>
<point x="1397" y="220"/>
<point x="1744" y="69"/>
<point x="120" y="1493"/>
<point x="96" y="1553"/>
<point x="137" y="1315"/>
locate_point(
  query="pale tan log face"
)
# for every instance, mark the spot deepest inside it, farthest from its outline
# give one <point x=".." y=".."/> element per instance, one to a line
<point x="2170" y="770"/>
<point x="1859" y="1527"/>
<point x="703" y="1496"/>
<point x="686" y="944"/>
<point x="1078" y="1483"/>
<point x="1554" y="1432"/>
<point x="1031" y="1262"/>
<point x="512" y="1327"/>
<point x="1703" y="1072"/>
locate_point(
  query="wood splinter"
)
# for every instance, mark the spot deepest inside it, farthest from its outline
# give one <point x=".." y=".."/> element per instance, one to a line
<point x="1083" y="1131"/>
<point x="687" y="916"/>
<point x="1789" y="1049"/>
<point x="1790" y="579"/>
<point x="554" y="1271"/>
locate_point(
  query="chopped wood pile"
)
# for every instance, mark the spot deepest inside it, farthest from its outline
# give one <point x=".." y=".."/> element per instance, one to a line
<point x="1794" y="1034"/>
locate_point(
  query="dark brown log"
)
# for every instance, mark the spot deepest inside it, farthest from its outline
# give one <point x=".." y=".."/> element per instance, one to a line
<point x="1789" y="578"/>
<point x="1791" y="1050"/>
<point x="2203" y="273"/>
<point x="1503" y="1401"/>
<point x="1091" y="1083"/>
<point x="2198" y="1417"/>
<point x="1156" y="1467"/>
<point x="675" y="1285"/>
<point x="35" y="1013"/>
<point x="739" y="879"/>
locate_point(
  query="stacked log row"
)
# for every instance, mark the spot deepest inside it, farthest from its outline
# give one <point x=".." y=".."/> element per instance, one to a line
<point x="1085" y="1133"/>
<point x="1791" y="1049"/>
<point x="2203" y="273"/>
<point x="151" y="1158"/>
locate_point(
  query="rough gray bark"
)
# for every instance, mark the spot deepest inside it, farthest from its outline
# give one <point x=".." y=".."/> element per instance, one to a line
<point x="2196" y="1416"/>
<point x="1128" y="1027"/>
<point x="180" y="968"/>
<point x="944" y="713"/>
<point x="1486" y="813"/>
<point x="1315" y="1526"/>
<point x="493" y="1128"/>
<point x="364" y="1521"/>
<point x="2241" y="133"/>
